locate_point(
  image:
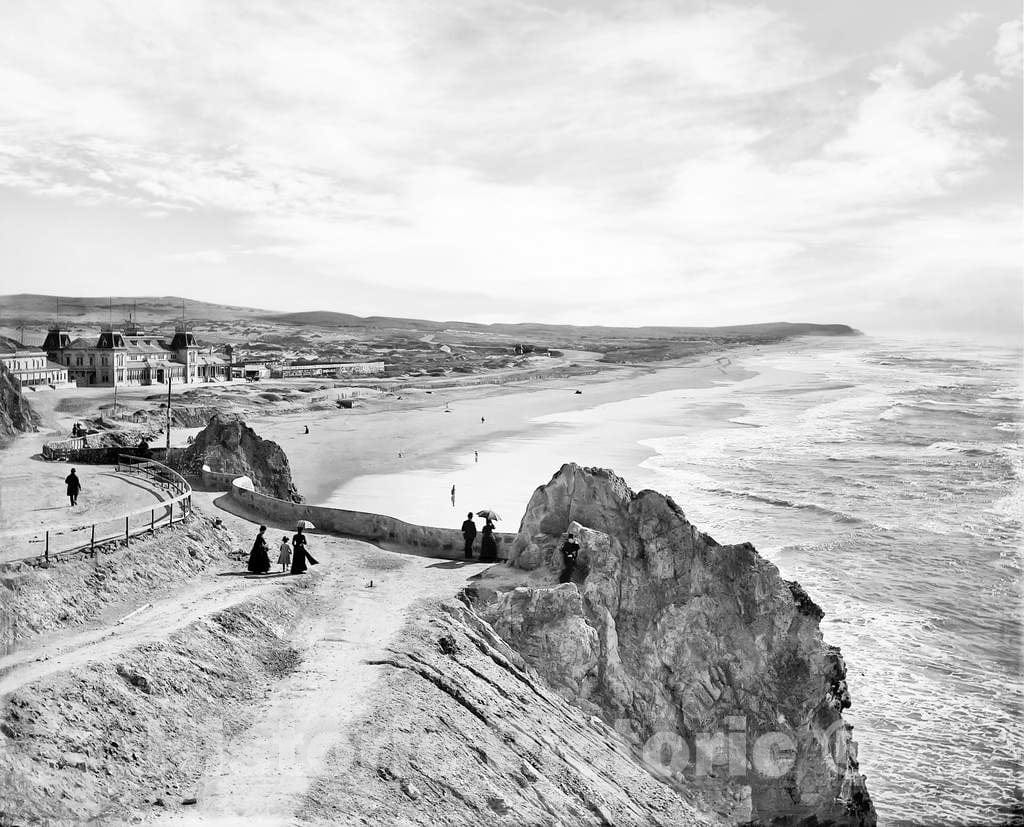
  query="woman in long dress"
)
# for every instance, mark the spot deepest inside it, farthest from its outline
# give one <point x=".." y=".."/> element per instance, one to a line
<point x="259" y="557"/>
<point x="488" y="547"/>
<point x="299" y="553"/>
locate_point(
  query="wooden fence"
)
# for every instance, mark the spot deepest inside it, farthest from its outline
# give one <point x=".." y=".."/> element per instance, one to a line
<point x="47" y="544"/>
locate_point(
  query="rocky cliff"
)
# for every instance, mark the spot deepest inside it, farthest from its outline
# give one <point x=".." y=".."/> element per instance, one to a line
<point x="228" y="445"/>
<point x="700" y="654"/>
<point x="16" y="415"/>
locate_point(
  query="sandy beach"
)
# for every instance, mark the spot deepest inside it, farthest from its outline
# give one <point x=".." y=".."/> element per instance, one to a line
<point x="494" y="443"/>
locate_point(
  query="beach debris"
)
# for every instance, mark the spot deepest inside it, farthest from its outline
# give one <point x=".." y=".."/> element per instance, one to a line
<point x="411" y="790"/>
<point x="369" y="585"/>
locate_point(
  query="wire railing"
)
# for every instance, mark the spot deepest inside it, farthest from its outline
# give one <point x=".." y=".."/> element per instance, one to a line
<point x="52" y="543"/>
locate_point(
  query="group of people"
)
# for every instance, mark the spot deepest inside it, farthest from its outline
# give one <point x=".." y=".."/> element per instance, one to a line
<point x="292" y="557"/>
<point x="488" y="545"/>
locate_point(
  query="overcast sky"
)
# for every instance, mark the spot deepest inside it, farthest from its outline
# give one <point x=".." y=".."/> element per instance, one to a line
<point x="588" y="162"/>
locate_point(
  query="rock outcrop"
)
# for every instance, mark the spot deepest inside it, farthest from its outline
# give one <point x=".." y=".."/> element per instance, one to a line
<point x="700" y="654"/>
<point x="16" y="415"/>
<point x="228" y="445"/>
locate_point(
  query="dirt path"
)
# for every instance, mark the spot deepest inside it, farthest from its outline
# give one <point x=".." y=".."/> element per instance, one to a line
<point x="263" y="775"/>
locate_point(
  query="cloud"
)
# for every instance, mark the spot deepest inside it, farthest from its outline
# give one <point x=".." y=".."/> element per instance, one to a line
<point x="1006" y="54"/>
<point x="661" y="160"/>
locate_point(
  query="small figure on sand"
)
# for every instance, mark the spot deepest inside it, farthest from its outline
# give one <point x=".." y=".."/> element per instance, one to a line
<point x="469" y="535"/>
<point x="453" y="496"/>
<point x="307" y="429"/>
<point x="299" y="553"/>
<point x="481" y="419"/>
<point x="488" y="546"/>
<point x="476" y="456"/>
<point x="259" y="557"/>
<point x="284" y="555"/>
<point x="570" y="551"/>
<point x="75" y="486"/>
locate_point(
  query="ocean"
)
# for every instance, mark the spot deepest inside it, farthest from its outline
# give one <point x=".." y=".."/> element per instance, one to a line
<point x="885" y="476"/>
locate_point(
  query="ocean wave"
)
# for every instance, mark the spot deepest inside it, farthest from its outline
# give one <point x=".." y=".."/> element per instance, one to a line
<point x="970" y="449"/>
<point x="839" y="516"/>
<point x="1012" y="427"/>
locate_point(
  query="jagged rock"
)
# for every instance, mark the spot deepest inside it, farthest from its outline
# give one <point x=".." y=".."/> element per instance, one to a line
<point x="700" y="653"/>
<point x="16" y="415"/>
<point x="137" y="679"/>
<point x="228" y="445"/>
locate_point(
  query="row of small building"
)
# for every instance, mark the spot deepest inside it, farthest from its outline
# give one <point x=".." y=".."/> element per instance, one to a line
<point x="130" y="356"/>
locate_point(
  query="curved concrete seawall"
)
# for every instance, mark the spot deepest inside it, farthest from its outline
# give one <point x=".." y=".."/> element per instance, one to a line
<point x="380" y="528"/>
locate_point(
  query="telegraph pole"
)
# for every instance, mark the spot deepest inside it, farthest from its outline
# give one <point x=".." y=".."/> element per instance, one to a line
<point x="168" y="414"/>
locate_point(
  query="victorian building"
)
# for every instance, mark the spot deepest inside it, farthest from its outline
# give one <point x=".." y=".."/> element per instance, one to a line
<point x="130" y="356"/>
<point x="30" y="365"/>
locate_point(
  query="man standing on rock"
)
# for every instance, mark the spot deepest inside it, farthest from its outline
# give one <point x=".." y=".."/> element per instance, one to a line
<point x="469" y="535"/>
<point x="74" y="486"/>
<point x="570" y="551"/>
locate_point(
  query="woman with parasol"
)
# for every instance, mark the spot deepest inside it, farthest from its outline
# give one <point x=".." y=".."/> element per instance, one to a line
<point x="299" y="553"/>
<point x="488" y="545"/>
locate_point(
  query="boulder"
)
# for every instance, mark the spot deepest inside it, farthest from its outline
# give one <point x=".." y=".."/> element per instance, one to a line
<point x="699" y="653"/>
<point x="228" y="445"/>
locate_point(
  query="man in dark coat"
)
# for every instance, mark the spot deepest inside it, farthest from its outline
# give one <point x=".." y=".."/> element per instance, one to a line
<point x="570" y="551"/>
<point x="299" y="553"/>
<point x="469" y="535"/>
<point x="259" y="558"/>
<point x="74" y="486"/>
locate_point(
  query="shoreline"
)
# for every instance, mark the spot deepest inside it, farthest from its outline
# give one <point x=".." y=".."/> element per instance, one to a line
<point x="350" y="457"/>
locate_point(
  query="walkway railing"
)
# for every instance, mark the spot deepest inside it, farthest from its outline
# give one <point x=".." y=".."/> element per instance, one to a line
<point x="61" y="541"/>
<point x="62" y="448"/>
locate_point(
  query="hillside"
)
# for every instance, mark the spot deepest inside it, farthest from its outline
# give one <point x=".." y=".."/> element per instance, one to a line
<point x="34" y="309"/>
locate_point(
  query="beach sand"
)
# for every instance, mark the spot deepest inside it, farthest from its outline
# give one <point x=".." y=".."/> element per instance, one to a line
<point x="350" y="459"/>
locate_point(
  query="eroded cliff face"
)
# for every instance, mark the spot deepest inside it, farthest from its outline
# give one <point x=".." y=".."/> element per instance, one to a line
<point x="228" y="445"/>
<point x="710" y="663"/>
<point x="16" y="415"/>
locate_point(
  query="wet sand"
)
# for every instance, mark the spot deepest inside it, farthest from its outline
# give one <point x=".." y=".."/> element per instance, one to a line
<point x="350" y="459"/>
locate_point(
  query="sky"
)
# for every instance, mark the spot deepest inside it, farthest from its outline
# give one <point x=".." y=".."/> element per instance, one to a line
<point x="628" y="163"/>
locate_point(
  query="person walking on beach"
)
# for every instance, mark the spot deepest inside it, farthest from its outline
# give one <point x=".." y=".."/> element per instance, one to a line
<point x="299" y="553"/>
<point x="259" y="557"/>
<point x="74" y="486"/>
<point x="453" y="496"/>
<point x="284" y="555"/>
<point x="570" y="551"/>
<point x="469" y="535"/>
<point x="488" y="547"/>
<point x="476" y="456"/>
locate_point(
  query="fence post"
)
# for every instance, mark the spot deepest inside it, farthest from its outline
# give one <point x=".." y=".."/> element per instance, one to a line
<point x="92" y="541"/>
<point x="152" y="519"/>
<point x="47" y="551"/>
<point x="126" y="530"/>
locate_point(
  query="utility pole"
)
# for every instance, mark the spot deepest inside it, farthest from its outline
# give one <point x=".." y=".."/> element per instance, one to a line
<point x="168" y="414"/>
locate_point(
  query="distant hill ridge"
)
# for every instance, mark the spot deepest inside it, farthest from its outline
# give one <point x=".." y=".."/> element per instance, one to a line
<point x="35" y="308"/>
